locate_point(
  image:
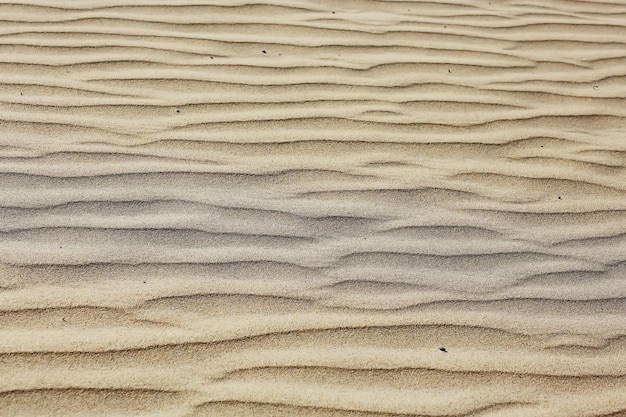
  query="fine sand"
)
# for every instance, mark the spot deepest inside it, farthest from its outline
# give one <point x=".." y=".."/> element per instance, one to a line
<point x="313" y="208"/>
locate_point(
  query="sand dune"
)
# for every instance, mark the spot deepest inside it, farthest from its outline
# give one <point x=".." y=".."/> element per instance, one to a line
<point x="313" y="208"/>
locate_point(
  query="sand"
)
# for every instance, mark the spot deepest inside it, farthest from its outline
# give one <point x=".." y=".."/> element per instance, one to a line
<point x="313" y="208"/>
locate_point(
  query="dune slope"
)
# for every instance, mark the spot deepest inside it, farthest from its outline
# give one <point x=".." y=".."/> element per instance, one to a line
<point x="313" y="208"/>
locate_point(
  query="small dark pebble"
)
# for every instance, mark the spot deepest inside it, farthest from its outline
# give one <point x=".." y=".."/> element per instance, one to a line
<point x="144" y="282"/>
<point x="443" y="349"/>
<point x="264" y="52"/>
<point x="177" y="111"/>
<point x="559" y="197"/>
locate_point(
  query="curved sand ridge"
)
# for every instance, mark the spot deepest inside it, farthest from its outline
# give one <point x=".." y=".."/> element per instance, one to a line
<point x="288" y="208"/>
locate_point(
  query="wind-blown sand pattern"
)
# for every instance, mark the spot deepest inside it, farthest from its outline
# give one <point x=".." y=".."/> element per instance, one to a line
<point x="286" y="208"/>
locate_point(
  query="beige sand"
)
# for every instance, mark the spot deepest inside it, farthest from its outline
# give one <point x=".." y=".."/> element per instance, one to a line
<point x="287" y="208"/>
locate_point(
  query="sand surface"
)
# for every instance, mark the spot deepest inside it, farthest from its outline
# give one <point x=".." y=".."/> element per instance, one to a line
<point x="289" y="208"/>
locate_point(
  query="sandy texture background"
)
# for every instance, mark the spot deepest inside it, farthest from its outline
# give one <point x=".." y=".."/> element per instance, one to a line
<point x="286" y="208"/>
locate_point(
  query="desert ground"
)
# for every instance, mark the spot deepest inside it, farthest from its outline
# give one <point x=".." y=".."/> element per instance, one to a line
<point x="313" y="208"/>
